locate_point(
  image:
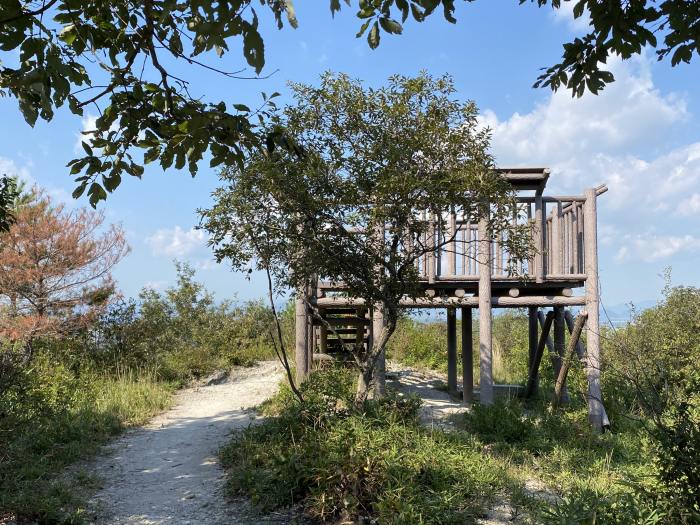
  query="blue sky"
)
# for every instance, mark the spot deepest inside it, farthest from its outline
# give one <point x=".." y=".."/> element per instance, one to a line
<point x="641" y="136"/>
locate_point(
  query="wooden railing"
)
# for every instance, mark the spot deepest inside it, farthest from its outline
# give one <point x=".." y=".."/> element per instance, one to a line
<point x="558" y="229"/>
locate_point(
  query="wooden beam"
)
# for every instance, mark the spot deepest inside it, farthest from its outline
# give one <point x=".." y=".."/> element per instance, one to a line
<point x="560" y="385"/>
<point x="484" y="299"/>
<point x="467" y="358"/>
<point x="590" y="228"/>
<point x="534" y="368"/>
<point x="444" y="302"/>
<point x="452" y="351"/>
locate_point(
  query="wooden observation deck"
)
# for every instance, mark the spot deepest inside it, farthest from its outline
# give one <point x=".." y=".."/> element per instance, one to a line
<point x="475" y="270"/>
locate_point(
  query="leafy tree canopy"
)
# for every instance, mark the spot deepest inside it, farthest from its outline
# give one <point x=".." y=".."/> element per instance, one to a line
<point x="118" y="55"/>
<point x="362" y="190"/>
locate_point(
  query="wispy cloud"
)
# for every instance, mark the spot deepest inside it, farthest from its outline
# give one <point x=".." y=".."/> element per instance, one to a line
<point x="177" y="242"/>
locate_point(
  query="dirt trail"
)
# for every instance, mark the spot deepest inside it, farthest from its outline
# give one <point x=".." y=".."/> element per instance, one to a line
<point x="168" y="471"/>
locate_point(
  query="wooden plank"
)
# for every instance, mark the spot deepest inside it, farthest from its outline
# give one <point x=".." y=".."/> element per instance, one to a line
<point x="595" y="401"/>
<point x="467" y="358"/>
<point x="534" y="368"/>
<point x="560" y="384"/>
<point x="484" y="298"/>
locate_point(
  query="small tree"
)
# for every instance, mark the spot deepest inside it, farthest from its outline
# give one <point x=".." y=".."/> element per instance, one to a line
<point x="55" y="269"/>
<point x="362" y="178"/>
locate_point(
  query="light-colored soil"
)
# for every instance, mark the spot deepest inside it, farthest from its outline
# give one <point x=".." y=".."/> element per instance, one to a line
<point x="168" y="471"/>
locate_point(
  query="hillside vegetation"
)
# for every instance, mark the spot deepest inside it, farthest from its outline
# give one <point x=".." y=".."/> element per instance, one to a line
<point x="115" y="372"/>
<point x="379" y="463"/>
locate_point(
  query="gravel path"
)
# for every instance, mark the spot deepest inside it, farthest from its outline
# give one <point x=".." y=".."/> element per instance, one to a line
<point x="168" y="470"/>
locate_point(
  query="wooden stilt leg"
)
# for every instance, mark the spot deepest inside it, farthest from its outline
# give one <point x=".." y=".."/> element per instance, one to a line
<point x="559" y="386"/>
<point x="532" y="340"/>
<point x="595" y="401"/>
<point x="467" y="358"/>
<point x="452" y="351"/>
<point x="534" y="369"/>
<point x="301" y="356"/>
<point x="559" y="348"/>
<point x="485" y="339"/>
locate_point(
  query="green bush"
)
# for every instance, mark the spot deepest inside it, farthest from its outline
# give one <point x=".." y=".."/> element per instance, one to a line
<point x="344" y="463"/>
<point x="651" y="372"/>
<point x="181" y="333"/>
<point x="423" y="344"/>
<point x="51" y="415"/>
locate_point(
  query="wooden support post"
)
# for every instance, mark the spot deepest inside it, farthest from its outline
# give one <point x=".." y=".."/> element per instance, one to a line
<point x="467" y="358"/>
<point x="539" y="240"/>
<point x="323" y="339"/>
<point x="557" y="254"/>
<point x="534" y="369"/>
<point x="310" y="340"/>
<point x="580" y="352"/>
<point x="301" y="355"/>
<point x="559" y="348"/>
<point x="532" y="340"/>
<point x="380" y="368"/>
<point x="485" y="340"/>
<point x="452" y="351"/>
<point x="560" y="385"/>
<point x="549" y="342"/>
<point x="430" y="240"/>
<point x="595" y="401"/>
<point x="452" y="246"/>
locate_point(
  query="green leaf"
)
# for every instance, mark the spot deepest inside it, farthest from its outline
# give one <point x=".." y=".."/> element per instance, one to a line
<point x="254" y="49"/>
<point x="112" y="181"/>
<point x="242" y="107"/>
<point x="87" y="148"/>
<point x="363" y="28"/>
<point x="373" y="36"/>
<point x="96" y="194"/>
<point x="390" y="26"/>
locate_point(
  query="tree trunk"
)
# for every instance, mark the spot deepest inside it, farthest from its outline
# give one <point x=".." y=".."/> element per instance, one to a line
<point x="369" y="365"/>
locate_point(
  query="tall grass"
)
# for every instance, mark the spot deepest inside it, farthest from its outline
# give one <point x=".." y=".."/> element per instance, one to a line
<point x="65" y="415"/>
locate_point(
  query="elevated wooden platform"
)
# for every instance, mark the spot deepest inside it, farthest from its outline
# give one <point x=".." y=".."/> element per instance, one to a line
<point x="470" y="268"/>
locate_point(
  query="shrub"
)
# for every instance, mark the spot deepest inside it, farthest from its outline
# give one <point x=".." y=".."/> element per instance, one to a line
<point x="54" y="414"/>
<point x="340" y="462"/>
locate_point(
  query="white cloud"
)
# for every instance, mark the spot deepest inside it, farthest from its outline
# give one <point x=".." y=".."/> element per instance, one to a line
<point x="11" y="168"/>
<point x="614" y="138"/>
<point x="690" y="206"/>
<point x="623" y="138"/>
<point x="155" y="285"/>
<point x="565" y="14"/>
<point x="572" y="134"/>
<point x="177" y="242"/>
<point x="652" y="247"/>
